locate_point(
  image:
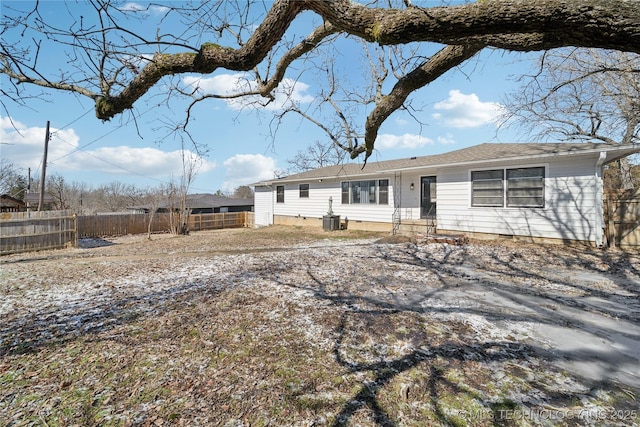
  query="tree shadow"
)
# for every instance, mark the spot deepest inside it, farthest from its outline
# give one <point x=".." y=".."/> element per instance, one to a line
<point x="411" y="280"/>
<point x="57" y="325"/>
<point x="449" y="273"/>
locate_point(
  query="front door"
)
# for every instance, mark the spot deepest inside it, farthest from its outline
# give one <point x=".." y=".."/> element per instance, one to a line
<point x="427" y="196"/>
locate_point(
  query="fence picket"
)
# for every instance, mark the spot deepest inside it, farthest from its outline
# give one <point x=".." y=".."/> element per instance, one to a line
<point x="34" y="231"/>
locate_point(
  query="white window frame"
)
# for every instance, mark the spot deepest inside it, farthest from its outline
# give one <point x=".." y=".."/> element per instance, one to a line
<point x="505" y="187"/>
<point x="300" y="190"/>
<point x="376" y="194"/>
<point x="283" y="193"/>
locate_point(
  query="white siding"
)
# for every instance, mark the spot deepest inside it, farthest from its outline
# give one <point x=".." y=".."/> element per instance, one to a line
<point x="411" y="198"/>
<point x="317" y="204"/>
<point x="573" y="205"/>
<point x="571" y="210"/>
<point x="263" y="205"/>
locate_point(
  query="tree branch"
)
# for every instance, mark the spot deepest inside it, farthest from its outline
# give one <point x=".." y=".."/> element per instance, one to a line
<point x="438" y="64"/>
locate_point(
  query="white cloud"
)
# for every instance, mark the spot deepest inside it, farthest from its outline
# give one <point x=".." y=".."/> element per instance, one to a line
<point x="137" y="7"/>
<point x="245" y="169"/>
<point x="146" y="161"/>
<point x="466" y="111"/>
<point x="387" y="141"/>
<point x="447" y="139"/>
<point x="24" y="147"/>
<point x="289" y="91"/>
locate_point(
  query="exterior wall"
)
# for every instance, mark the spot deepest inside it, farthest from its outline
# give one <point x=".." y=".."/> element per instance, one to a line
<point x="263" y="205"/>
<point x="410" y="199"/>
<point x="317" y="223"/>
<point x="572" y="212"/>
<point x="572" y="209"/>
<point x="317" y="204"/>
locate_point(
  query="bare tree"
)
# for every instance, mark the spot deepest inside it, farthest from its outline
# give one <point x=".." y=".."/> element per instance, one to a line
<point x="243" y="192"/>
<point x="114" y="63"/>
<point x="315" y="156"/>
<point x="12" y="182"/>
<point x="177" y="192"/>
<point x="154" y="198"/>
<point x="58" y="190"/>
<point x="589" y="95"/>
<point x="116" y="196"/>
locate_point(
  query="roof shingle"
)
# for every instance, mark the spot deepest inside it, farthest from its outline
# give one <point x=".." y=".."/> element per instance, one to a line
<point x="476" y="154"/>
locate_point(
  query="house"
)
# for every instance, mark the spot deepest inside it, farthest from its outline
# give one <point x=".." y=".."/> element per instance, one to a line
<point x="205" y="203"/>
<point x="11" y="204"/>
<point x="32" y="200"/>
<point x="533" y="190"/>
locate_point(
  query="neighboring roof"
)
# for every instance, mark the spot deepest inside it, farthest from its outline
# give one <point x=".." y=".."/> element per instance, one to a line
<point x="205" y="200"/>
<point x="483" y="153"/>
<point x="35" y="198"/>
<point x="12" y="201"/>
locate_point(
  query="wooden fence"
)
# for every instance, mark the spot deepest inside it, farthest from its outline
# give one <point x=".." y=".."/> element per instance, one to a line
<point x="623" y="221"/>
<point x="120" y="225"/>
<point x="35" y="231"/>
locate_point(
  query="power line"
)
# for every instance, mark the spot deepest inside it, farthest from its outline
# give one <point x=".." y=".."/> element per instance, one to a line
<point x="81" y="148"/>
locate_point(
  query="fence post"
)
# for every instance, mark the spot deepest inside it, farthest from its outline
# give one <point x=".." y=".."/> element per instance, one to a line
<point x="75" y="230"/>
<point x="611" y="228"/>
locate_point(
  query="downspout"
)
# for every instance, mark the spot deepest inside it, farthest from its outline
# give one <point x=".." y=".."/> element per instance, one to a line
<point x="273" y="205"/>
<point x="599" y="219"/>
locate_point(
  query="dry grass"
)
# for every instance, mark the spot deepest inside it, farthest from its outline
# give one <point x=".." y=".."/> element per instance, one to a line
<point x="284" y="327"/>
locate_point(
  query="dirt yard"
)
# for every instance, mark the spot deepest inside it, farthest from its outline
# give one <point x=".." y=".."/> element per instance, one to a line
<point x="288" y="327"/>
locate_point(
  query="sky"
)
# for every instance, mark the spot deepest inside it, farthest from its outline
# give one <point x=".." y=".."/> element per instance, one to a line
<point x="459" y="110"/>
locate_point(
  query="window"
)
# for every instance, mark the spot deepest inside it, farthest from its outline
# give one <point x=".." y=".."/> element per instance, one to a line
<point x="280" y="194"/>
<point x="345" y="193"/>
<point x="383" y="192"/>
<point x="304" y="191"/>
<point x="487" y="188"/>
<point x="365" y="192"/>
<point x="525" y="187"/>
<point x="522" y="188"/>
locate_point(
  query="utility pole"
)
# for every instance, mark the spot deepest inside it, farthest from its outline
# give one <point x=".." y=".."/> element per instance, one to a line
<point x="44" y="168"/>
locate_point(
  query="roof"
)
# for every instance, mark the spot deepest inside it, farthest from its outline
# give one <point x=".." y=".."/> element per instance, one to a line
<point x="483" y="153"/>
<point x="7" y="200"/>
<point x="205" y="200"/>
<point x="35" y="198"/>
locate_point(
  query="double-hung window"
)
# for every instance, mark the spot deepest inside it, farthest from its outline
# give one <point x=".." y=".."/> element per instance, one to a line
<point x="304" y="191"/>
<point x="280" y="194"/>
<point x="383" y="191"/>
<point x="487" y="188"/>
<point x="525" y="187"/>
<point x="513" y="188"/>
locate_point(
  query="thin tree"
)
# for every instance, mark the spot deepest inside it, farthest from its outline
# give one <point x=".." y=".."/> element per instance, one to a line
<point x="154" y="198"/>
<point x="317" y="155"/>
<point x="178" y="190"/>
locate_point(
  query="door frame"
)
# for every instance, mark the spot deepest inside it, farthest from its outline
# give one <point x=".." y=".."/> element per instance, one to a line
<point x="428" y="201"/>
